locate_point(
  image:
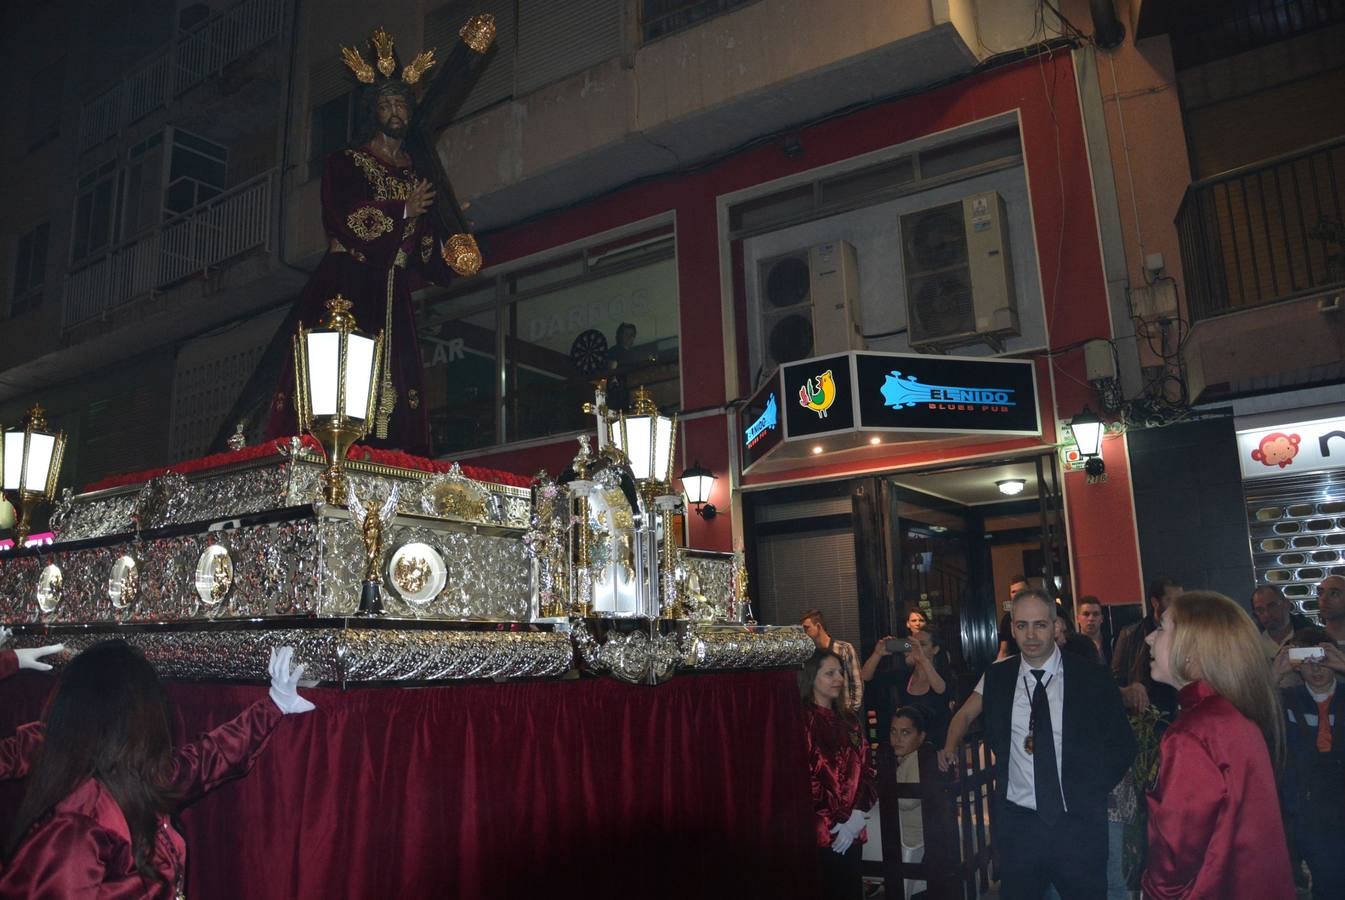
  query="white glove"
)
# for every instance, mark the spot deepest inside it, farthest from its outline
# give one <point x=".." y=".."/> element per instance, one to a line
<point x="848" y="831"/>
<point x="29" y="656"/>
<point x="4" y="635"/>
<point x="284" y="680"/>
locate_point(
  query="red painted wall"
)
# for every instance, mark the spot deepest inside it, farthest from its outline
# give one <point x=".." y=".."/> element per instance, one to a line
<point x="1101" y="516"/>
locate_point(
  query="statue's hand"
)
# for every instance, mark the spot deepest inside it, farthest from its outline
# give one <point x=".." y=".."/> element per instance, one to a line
<point x="419" y="199"/>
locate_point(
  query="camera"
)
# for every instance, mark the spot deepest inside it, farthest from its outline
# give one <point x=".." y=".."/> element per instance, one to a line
<point x="897" y="645"/>
<point x="1302" y="653"/>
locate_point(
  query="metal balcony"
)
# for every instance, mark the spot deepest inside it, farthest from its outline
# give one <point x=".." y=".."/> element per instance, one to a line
<point x="1266" y="232"/>
<point x="186" y="245"/>
<point x="180" y="65"/>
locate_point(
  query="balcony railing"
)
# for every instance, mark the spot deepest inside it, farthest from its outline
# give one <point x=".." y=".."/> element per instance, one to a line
<point x="189" y="244"/>
<point x="183" y="63"/>
<point x="1266" y="232"/>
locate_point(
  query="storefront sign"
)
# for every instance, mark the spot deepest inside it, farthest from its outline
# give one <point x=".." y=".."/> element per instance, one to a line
<point x="912" y="392"/>
<point x="820" y="398"/>
<point x="1291" y="449"/>
<point x="850" y="394"/>
<point x="762" y="431"/>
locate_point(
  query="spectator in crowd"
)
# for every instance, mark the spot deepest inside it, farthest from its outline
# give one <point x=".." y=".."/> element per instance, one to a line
<point x="1051" y="795"/>
<point x="1088" y="616"/>
<point x="815" y="626"/>
<point x="922" y="681"/>
<point x="1277" y="618"/>
<point x="907" y="736"/>
<point x="1215" y="799"/>
<point x="1069" y="640"/>
<point x="840" y="776"/>
<point x="1331" y="606"/>
<point x="1314" y="770"/>
<point x="105" y="776"/>
<point x="1007" y="645"/>
<point x="916" y="620"/>
<point x="1130" y="657"/>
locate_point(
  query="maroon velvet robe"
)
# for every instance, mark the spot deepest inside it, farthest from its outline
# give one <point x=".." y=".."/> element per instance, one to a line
<point x="839" y="772"/>
<point x="83" y="849"/>
<point x="9" y="664"/>
<point x="1215" y="831"/>
<point x="371" y="248"/>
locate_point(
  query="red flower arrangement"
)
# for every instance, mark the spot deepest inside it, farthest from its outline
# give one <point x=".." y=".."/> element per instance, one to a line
<point x="276" y="447"/>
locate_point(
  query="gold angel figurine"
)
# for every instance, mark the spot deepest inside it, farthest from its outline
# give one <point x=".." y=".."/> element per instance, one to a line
<point x="371" y="519"/>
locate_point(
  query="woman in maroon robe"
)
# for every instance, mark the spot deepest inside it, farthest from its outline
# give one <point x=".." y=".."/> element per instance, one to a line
<point x="839" y="773"/>
<point x="103" y="777"/>
<point x="1215" y="831"/>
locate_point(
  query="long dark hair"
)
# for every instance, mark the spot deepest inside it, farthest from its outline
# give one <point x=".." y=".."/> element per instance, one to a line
<point x="808" y="674"/>
<point x="109" y="720"/>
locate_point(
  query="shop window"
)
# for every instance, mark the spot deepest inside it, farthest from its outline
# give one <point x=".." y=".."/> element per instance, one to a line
<point x="30" y="270"/>
<point x="458" y="340"/>
<point x="609" y="312"/>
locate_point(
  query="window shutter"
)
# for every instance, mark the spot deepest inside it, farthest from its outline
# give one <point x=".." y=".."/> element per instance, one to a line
<point x="497" y="79"/>
<point x="559" y="39"/>
<point x="806" y="570"/>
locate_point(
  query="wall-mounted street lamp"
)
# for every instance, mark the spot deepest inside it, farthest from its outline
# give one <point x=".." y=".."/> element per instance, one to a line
<point x="1088" y="428"/>
<point x="697" y="483"/>
<point x="30" y="460"/>
<point x="335" y="383"/>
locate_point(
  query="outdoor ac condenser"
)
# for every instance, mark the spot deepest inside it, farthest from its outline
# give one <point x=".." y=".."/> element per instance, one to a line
<point x="808" y="304"/>
<point x="959" y="274"/>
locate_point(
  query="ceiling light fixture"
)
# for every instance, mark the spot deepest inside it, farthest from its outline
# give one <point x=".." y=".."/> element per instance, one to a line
<point x="1011" y="487"/>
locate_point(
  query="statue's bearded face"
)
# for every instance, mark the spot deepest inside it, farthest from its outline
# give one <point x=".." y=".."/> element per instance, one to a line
<point x="393" y="114"/>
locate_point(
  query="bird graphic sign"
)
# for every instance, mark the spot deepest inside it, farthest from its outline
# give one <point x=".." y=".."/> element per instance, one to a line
<point x="818" y="394"/>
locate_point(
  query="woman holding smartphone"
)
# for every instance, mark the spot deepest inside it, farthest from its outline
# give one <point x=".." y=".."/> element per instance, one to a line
<point x="1214" y="816"/>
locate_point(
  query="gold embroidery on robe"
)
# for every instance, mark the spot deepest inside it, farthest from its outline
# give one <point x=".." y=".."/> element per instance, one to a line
<point x="369" y="223"/>
<point x="386" y="187"/>
<point x="426" y="248"/>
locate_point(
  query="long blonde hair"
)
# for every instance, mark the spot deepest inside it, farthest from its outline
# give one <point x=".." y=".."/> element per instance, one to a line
<point x="1215" y="641"/>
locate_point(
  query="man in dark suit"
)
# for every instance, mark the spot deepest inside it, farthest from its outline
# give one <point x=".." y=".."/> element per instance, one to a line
<point x="1061" y="742"/>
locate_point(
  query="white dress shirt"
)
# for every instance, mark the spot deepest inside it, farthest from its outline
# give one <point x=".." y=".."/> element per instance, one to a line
<point x="1022" y="788"/>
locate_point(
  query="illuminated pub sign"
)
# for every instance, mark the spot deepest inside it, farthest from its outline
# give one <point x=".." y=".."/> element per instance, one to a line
<point x="837" y="401"/>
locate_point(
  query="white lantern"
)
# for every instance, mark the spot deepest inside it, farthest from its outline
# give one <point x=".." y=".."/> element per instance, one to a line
<point x="335" y="374"/>
<point x="30" y="461"/>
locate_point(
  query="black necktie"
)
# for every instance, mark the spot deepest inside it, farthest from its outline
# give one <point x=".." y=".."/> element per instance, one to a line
<point x="1045" y="778"/>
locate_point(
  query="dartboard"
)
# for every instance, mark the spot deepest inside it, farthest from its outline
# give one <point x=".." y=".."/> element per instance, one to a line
<point x="589" y="352"/>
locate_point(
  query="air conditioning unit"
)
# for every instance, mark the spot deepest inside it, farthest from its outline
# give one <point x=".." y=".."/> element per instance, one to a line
<point x="959" y="275"/>
<point x="808" y="304"/>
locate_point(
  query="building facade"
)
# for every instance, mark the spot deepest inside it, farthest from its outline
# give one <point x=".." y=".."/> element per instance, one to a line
<point x="662" y="189"/>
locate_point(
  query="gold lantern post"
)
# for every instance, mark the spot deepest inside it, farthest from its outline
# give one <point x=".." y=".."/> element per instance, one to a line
<point x="335" y="370"/>
<point x="649" y="440"/>
<point x="30" y="460"/>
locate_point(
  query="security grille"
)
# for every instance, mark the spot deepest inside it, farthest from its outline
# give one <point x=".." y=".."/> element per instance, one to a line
<point x="1297" y="528"/>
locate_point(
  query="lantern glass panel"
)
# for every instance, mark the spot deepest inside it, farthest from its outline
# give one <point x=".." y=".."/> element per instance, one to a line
<point x="323" y="357"/>
<point x="637" y="436"/>
<point x="697" y="487"/>
<point x="13" y="459"/>
<point x="359" y="373"/>
<point x="662" y="447"/>
<point x="40" y="447"/>
<point x="1088" y="436"/>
